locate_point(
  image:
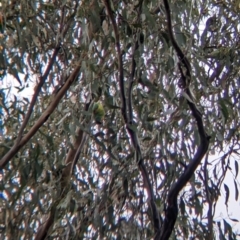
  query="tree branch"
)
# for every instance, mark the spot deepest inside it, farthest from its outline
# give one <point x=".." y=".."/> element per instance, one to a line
<point x="120" y="62"/>
<point x="43" y="78"/>
<point x="44" y="117"/>
<point x="70" y="161"/>
<point x="172" y="206"/>
<point x="42" y="232"/>
<point x="35" y="96"/>
<point x="128" y="117"/>
<point x="36" y="93"/>
<point x="20" y="142"/>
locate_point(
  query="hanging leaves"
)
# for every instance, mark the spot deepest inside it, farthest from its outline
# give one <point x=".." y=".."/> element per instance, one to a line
<point x="66" y="67"/>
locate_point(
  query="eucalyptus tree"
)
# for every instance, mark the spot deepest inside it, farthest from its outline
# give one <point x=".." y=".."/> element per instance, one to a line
<point x="132" y="124"/>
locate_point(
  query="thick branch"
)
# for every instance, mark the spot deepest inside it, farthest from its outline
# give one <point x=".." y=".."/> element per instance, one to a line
<point x="42" y="231"/>
<point x="172" y="207"/>
<point x="178" y="50"/>
<point x="128" y="118"/>
<point x="43" y="78"/>
<point x="44" y="117"/>
<point x="20" y="141"/>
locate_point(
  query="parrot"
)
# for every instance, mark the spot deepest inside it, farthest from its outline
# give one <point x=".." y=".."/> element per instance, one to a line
<point x="98" y="112"/>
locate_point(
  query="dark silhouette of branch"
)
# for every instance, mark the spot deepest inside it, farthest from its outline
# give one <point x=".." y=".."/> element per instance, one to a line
<point x="42" y="231"/>
<point x="171" y="211"/>
<point x="128" y="117"/>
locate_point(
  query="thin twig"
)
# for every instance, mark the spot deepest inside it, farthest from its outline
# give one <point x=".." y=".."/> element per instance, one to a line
<point x="36" y="93"/>
<point x="120" y="62"/>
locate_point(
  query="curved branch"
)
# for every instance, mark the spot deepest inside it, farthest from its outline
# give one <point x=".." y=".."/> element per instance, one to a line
<point x="171" y="212"/>
<point x="178" y="50"/>
<point x="128" y="117"/>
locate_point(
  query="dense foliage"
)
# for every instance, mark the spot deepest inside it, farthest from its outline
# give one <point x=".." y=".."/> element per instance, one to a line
<point x="133" y="123"/>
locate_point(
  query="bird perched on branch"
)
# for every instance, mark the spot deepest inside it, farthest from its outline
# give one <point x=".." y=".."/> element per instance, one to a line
<point x="98" y="112"/>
